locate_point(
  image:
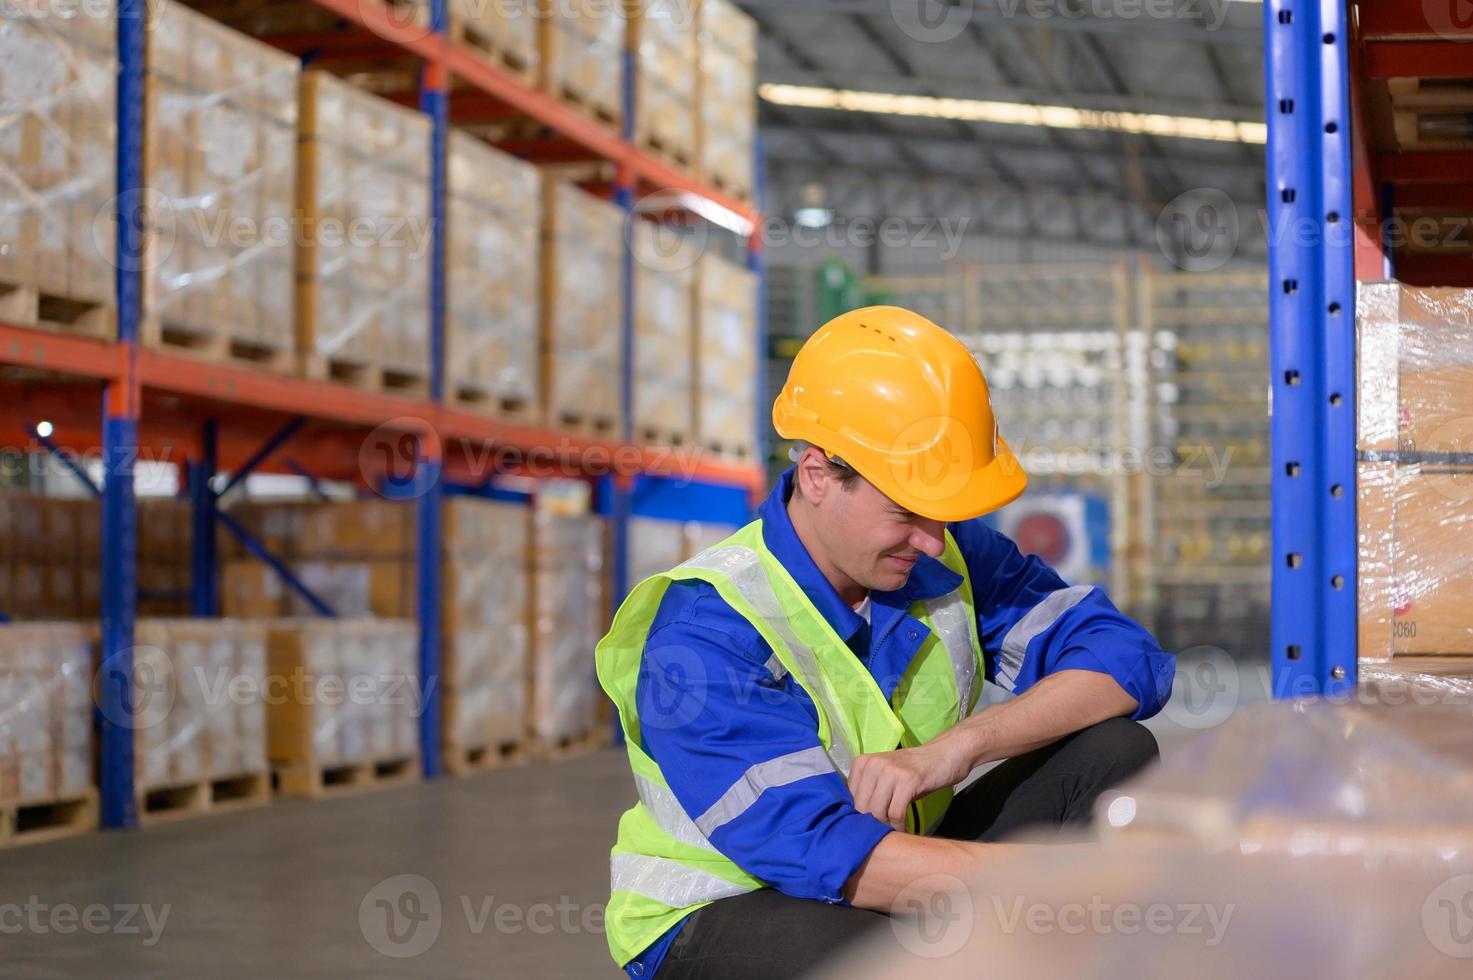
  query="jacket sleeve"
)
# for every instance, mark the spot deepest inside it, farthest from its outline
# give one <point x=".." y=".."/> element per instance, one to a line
<point x="739" y="749"/>
<point x="1032" y="623"/>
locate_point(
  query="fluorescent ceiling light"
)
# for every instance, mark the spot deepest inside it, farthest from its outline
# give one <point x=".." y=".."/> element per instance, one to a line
<point x="814" y="217"/>
<point x="1016" y="113"/>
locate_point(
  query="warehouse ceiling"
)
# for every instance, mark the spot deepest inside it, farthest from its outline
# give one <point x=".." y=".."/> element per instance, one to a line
<point x="1130" y="60"/>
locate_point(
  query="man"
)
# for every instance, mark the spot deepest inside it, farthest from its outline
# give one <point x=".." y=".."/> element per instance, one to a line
<point x="797" y="700"/>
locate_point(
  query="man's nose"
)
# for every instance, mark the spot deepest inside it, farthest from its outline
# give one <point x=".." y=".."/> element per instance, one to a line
<point x="928" y="536"/>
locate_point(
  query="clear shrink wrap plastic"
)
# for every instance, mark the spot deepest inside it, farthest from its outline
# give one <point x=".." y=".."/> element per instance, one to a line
<point x="220" y="164"/>
<point x="1415" y="472"/>
<point x="583" y="247"/>
<point x="58" y="103"/>
<point x="662" y="35"/>
<point x="45" y="711"/>
<point x="728" y="99"/>
<point x="491" y="323"/>
<point x="569" y="618"/>
<point x="1384" y="771"/>
<point x="195" y="721"/>
<point x="664" y="337"/>
<point x="726" y="356"/>
<point x="506" y="27"/>
<point x="347" y="690"/>
<point x="654" y="546"/>
<point x="363" y="260"/>
<point x="1134" y="909"/>
<point x="486" y="635"/>
<point x="583" y="44"/>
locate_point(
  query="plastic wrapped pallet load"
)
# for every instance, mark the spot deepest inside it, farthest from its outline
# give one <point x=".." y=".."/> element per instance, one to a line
<point x="654" y="546"/>
<point x="582" y="292"/>
<point x="347" y="713"/>
<point x="485" y="636"/>
<point x="199" y="740"/>
<point x="363" y="257"/>
<point x="662" y="37"/>
<point x="492" y="302"/>
<point x="664" y="337"/>
<point x="728" y="97"/>
<point x="220" y="161"/>
<point x="582" y="46"/>
<point x="570" y="615"/>
<point x="726" y="358"/>
<point x="1415" y="476"/>
<point x="58" y="102"/>
<point x="46" y="728"/>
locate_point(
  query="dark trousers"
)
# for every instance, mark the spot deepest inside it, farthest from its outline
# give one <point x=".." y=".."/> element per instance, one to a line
<point x="768" y="934"/>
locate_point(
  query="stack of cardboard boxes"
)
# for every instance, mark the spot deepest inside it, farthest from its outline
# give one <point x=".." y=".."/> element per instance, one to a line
<point x="199" y="714"/>
<point x="220" y="162"/>
<point x="728" y="97"/>
<point x="726" y="358"/>
<point x="582" y="294"/>
<point x="45" y="712"/>
<point x="491" y="268"/>
<point x="363" y="254"/>
<point x="662" y="38"/>
<point x="58" y="84"/>
<point x="582" y="47"/>
<point x="664" y="337"/>
<point x="1415" y="472"/>
<point x="570" y="596"/>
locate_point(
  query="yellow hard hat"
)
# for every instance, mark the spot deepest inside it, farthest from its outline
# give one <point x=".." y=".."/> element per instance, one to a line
<point x="904" y="403"/>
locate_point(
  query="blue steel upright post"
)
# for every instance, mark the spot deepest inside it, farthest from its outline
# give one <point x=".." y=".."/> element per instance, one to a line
<point x="120" y="443"/>
<point x="757" y="262"/>
<point x="203" y="583"/>
<point x="429" y="498"/>
<point x="1312" y="347"/>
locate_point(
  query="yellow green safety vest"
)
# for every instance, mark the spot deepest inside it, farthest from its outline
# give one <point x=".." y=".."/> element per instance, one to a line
<point x="663" y="866"/>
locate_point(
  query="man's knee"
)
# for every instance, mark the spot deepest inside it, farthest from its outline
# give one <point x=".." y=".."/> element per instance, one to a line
<point x="1121" y="747"/>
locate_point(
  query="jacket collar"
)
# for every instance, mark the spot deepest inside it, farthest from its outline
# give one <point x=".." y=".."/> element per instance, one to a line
<point x="929" y="579"/>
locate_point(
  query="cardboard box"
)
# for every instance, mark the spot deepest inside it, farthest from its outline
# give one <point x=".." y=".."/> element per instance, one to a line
<point x="726" y="356"/>
<point x="1415" y="575"/>
<point x="664" y="337"/>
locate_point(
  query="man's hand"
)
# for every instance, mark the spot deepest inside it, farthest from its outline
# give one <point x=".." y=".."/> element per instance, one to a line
<point x="884" y="784"/>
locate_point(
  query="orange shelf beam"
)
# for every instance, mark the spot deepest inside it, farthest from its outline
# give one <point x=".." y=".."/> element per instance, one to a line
<point x="69" y="354"/>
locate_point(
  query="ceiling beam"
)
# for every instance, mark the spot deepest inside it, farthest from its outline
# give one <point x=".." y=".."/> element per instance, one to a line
<point x="1184" y="28"/>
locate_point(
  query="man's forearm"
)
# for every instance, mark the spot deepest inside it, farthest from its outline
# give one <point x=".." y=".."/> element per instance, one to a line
<point x="900" y="860"/>
<point x="1058" y="705"/>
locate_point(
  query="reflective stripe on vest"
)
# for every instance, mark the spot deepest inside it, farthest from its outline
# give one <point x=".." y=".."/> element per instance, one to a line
<point x="743" y="568"/>
<point x="1038" y="619"/>
<point x="667" y="881"/>
<point x="669" y="814"/>
<point x="743" y="793"/>
<point x="949" y="616"/>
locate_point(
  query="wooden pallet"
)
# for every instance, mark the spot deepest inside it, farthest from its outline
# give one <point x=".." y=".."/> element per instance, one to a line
<point x="545" y="749"/>
<point x="1432" y="114"/>
<point x="681" y="155"/>
<point x="312" y="779"/>
<point x="589" y="105"/>
<point x="465" y="761"/>
<point x="26" y="305"/>
<point x="481" y="402"/>
<point x="36" y="822"/>
<point x="203" y="797"/>
<point x="593" y="425"/>
<point x="217" y="347"/>
<point x="369" y="377"/>
<point x="728" y="452"/>
<point x="730" y="188"/>
<point x="491" y="49"/>
<point x="653" y="435"/>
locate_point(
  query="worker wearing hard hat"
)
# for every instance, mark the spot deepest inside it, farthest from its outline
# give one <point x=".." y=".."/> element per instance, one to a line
<point x="798" y="699"/>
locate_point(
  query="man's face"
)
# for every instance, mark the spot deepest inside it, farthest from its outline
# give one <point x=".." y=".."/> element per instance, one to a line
<point x="871" y="539"/>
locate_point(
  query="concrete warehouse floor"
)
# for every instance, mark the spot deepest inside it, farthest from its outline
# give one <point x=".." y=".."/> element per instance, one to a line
<point x="515" y="860"/>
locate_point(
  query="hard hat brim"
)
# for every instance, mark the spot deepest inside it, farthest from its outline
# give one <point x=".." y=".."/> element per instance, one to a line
<point x="987" y="488"/>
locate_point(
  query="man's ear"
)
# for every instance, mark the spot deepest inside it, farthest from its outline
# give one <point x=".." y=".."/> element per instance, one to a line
<point x="812" y="474"/>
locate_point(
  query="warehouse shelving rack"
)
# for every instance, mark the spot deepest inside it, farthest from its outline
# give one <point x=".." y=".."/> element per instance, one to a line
<point x="217" y="416"/>
<point x="1329" y="171"/>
